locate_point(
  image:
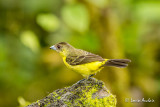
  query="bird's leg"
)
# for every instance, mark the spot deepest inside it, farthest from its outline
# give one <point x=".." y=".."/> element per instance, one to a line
<point x="91" y="75"/>
<point x="81" y="80"/>
<point x="86" y="78"/>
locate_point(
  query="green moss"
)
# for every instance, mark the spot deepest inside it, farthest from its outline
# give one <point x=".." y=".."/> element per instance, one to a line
<point x="47" y="104"/>
<point x="68" y="103"/>
<point x="87" y="99"/>
<point x="58" y="97"/>
<point x="54" y="94"/>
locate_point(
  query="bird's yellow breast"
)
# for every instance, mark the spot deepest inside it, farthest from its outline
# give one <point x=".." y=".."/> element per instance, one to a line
<point x="86" y="69"/>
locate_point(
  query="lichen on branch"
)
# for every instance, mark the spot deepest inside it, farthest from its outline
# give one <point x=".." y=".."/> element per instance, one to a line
<point x="88" y="93"/>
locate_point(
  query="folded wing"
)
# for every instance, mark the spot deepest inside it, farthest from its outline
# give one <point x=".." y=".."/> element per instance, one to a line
<point x="83" y="59"/>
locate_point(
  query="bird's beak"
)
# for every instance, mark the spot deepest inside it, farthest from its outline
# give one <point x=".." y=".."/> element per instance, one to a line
<point x="53" y="47"/>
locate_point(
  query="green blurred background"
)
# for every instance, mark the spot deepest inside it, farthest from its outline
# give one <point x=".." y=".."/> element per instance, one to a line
<point x="111" y="28"/>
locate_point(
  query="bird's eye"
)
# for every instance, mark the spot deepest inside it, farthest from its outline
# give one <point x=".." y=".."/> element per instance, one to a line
<point x="58" y="46"/>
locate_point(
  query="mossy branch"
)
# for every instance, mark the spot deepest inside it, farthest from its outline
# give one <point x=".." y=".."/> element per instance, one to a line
<point x="88" y="93"/>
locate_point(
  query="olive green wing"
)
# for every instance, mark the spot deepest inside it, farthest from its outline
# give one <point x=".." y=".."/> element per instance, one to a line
<point x="83" y="59"/>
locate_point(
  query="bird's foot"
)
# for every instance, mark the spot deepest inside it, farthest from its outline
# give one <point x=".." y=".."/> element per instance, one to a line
<point x="85" y="79"/>
<point x="90" y="76"/>
<point x="81" y="81"/>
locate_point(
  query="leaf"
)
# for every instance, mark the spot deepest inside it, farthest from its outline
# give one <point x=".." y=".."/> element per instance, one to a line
<point x="30" y="40"/>
<point x="48" y="22"/>
<point x="22" y="102"/>
<point x="76" y="17"/>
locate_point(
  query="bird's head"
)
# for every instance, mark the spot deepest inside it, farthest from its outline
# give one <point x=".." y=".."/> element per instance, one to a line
<point x="63" y="48"/>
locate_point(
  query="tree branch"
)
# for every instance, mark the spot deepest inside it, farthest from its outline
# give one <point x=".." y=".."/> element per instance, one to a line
<point x="88" y="93"/>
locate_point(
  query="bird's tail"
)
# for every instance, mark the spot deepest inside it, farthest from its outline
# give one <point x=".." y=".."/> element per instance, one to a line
<point x="117" y="62"/>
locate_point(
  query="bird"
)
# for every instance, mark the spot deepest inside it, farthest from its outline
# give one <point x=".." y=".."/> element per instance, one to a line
<point x="85" y="63"/>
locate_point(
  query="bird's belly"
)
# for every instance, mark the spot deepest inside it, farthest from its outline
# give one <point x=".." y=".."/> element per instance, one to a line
<point x="86" y="69"/>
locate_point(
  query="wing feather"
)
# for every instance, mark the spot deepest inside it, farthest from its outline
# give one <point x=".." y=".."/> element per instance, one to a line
<point x="83" y="59"/>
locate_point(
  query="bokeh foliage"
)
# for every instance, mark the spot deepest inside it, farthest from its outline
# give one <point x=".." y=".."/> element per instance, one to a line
<point x="110" y="28"/>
